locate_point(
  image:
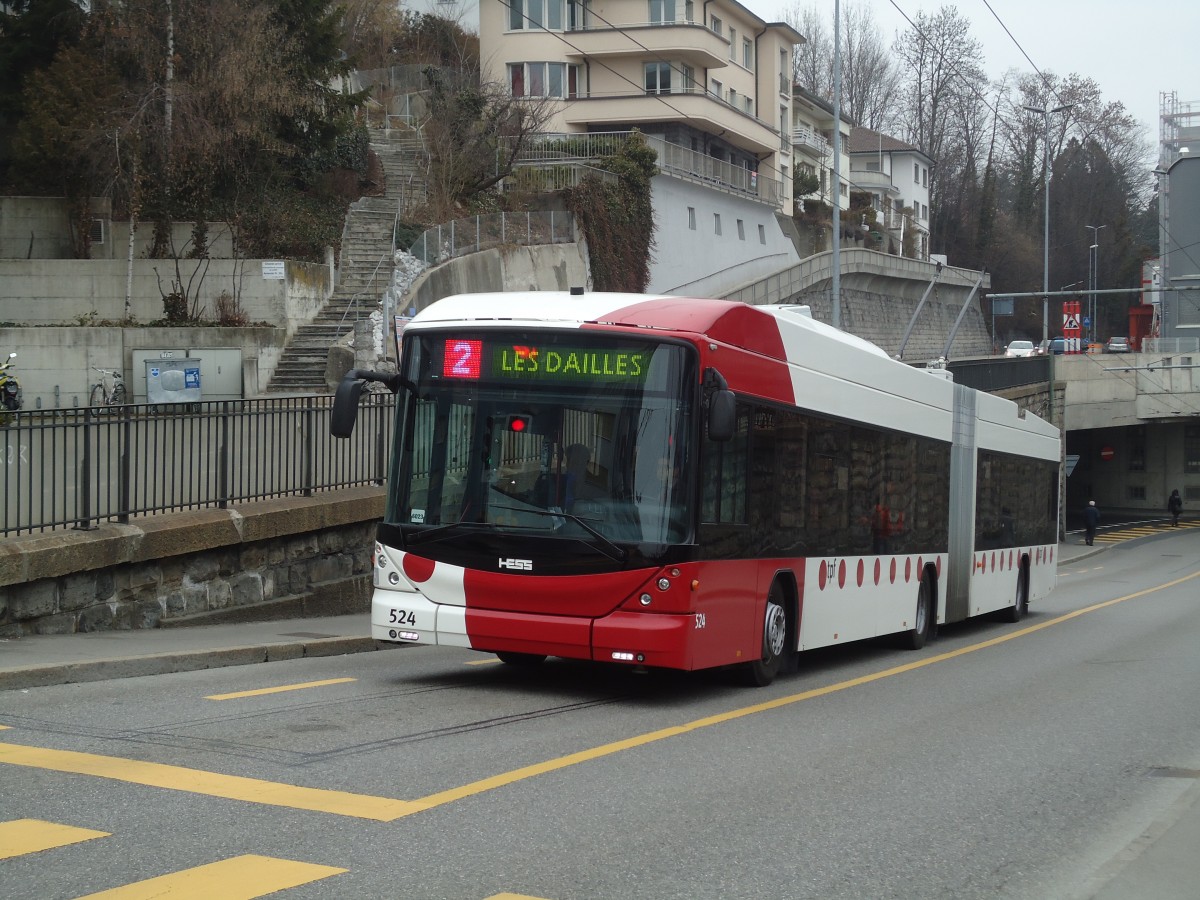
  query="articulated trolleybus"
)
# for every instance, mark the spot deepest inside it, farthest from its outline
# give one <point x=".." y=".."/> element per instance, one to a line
<point x="685" y="483"/>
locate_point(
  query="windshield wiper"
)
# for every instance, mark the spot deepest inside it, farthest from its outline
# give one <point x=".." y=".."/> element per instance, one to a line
<point x="603" y="545"/>
<point x="443" y="531"/>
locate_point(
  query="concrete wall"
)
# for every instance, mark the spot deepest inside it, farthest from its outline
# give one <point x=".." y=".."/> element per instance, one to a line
<point x="40" y="228"/>
<point x="274" y="559"/>
<point x="54" y="365"/>
<point x="547" y="267"/>
<point x="81" y="291"/>
<point x="700" y="262"/>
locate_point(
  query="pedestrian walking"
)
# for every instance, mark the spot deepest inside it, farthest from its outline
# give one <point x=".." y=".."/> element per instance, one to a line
<point x="1175" y="506"/>
<point x="1091" y="518"/>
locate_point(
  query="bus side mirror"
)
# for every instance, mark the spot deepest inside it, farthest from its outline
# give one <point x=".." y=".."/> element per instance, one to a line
<point x="722" y="415"/>
<point x="345" y="407"/>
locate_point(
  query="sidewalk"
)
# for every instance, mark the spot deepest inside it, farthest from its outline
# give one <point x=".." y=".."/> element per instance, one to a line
<point x="40" y="660"/>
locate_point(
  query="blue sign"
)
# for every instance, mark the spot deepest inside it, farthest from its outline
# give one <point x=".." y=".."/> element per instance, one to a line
<point x="1087" y="322"/>
<point x="191" y="378"/>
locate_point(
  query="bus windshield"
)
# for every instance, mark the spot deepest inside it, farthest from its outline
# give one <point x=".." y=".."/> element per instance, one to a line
<point x="555" y="434"/>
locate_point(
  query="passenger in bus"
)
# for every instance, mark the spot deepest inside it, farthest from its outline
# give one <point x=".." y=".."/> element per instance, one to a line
<point x="881" y="528"/>
<point x="577" y="487"/>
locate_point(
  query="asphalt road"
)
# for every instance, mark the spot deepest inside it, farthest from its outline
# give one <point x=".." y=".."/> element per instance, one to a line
<point x="1014" y="761"/>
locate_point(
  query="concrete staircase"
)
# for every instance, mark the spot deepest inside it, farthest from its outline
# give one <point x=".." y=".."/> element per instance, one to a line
<point x="366" y="264"/>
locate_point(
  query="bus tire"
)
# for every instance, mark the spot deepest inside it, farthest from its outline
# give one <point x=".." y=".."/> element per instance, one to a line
<point x="915" y="637"/>
<point x="763" y="670"/>
<point x="1020" y="605"/>
<point x="525" y="660"/>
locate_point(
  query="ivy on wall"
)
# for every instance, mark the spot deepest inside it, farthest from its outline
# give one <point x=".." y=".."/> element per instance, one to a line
<point x="618" y="219"/>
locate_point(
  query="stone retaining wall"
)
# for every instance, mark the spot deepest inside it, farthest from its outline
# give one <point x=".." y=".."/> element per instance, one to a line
<point x="291" y="557"/>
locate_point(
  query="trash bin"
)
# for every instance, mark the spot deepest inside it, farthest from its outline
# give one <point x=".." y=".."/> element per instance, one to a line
<point x="173" y="380"/>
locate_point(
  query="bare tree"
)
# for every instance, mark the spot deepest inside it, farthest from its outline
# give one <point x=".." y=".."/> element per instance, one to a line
<point x="474" y="134"/>
<point x="870" y="81"/>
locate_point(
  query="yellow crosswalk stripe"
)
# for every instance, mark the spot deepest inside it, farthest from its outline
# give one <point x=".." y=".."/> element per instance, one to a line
<point x="197" y="781"/>
<point x="239" y="878"/>
<point x="21" y="836"/>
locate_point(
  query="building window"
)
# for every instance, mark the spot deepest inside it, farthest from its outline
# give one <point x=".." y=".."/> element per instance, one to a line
<point x="658" y="78"/>
<point x="916" y="173"/>
<point x="715" y="87"/>
<point x="687" y="79"/>
<point x="924" y="213"/>
<point x="747" y="53"/>
<point x="662" y="11"/>
<point x="1136" y="448"/>
<point x="1136" y="491"/>
<point x="871" y="165"/>
<point x="741" y="230"/>
<point x="715" y="24"/>
<point x="542" y="79"/>
<point x="924" y="178"/>
<point x="732" y="43"/>
<point x="733" y="98"/>
<point x="531" y="15"/>
<point x="716" y="223"/>
<point x="762" y="234"/>
<point x="1191" y="449"/>
<point x="692" y="218"/>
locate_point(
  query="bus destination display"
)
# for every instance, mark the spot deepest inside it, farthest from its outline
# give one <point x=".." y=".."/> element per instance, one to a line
<point x="471" y="359"/>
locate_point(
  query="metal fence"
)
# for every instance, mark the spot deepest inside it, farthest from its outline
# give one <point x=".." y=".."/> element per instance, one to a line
<point x="78" y="468"/>
<point x="477" y="233"/>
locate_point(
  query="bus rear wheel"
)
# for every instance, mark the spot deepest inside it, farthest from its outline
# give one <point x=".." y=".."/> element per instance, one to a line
<point x="763" y="670"/>
<point x="1020" y="605"/>
<point x="915" y="637"/>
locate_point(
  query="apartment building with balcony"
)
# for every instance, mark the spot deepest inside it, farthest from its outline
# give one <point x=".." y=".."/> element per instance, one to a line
<point x="812" y="146"/>
<point x="708" y="84"/>
<point x="896" y="175"/>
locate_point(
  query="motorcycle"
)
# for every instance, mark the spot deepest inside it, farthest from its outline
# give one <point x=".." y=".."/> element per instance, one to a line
<point x="10" y="388"/>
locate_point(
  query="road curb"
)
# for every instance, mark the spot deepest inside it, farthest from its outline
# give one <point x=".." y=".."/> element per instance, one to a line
<point x="179" y="661"/>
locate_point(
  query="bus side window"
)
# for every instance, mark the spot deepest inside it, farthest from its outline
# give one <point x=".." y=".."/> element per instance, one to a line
<point x="724" y="469"/>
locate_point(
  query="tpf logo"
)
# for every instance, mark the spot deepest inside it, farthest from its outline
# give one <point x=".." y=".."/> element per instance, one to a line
<point x="523" y="565"/>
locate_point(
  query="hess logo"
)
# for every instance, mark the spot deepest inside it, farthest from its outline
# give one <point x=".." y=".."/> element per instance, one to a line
<point x="521" y="565"/>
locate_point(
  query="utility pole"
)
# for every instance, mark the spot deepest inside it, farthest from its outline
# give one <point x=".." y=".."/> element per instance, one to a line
<point x="1045" y="114"/>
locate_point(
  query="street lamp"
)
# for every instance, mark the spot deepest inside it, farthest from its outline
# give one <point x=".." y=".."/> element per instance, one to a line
<point x="1094" y="274"/>
<point x="1045" y="114"/>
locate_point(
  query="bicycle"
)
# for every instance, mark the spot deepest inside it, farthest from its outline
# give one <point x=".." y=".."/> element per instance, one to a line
<point x="102" y="395"/>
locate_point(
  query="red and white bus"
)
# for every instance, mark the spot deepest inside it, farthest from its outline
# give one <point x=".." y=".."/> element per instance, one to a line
<point x="684" y="483"/>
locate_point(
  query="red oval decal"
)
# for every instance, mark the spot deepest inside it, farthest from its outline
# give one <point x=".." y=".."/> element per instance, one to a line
<point x="842" y="574"/>
<point x="417" y="568"/>
<point x="862" y="571"/>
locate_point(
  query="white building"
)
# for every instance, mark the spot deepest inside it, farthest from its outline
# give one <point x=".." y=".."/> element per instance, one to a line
<point x="896" y="175"/>
<point x="710" y="86"/>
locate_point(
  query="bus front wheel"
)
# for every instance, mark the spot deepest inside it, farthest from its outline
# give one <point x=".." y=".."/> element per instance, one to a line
<point x="763" y="670"/>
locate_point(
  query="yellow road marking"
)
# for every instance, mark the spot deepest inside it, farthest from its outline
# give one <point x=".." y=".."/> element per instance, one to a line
<point x="239" y="878"/>
<point x="279" y="690"/>
<point x="387" y="810"/>
<point x="512" y="897"/>
<point x="212" y="784"/>
<point x="483" y="662"/>
<point x="22" y="836"/>
<point x="563" y="762"/>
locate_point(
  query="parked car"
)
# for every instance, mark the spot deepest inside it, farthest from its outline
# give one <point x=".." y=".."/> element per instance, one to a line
<point x="1019" y="348"/>
<point x="1117" y="345"/>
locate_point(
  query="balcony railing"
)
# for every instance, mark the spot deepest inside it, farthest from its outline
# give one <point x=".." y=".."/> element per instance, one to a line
<point x="674" y="159"/>
<point x="812" y="139"/>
